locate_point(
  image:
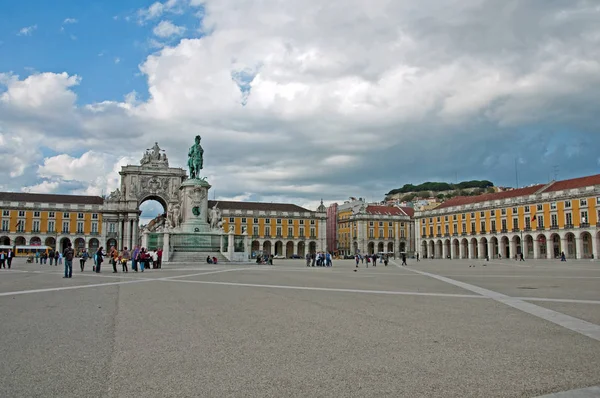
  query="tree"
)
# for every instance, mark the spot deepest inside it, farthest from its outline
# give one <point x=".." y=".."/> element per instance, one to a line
<point x="424" y="194"/>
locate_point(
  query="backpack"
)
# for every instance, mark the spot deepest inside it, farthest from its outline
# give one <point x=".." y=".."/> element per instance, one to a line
<point x="69" y="254"/>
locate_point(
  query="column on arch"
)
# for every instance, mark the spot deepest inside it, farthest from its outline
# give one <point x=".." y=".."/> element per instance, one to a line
<point x="595" y="246"/>
<point x="549" y="247"/>
<point x="536" y="248"/>
<point x="461" y="250"/>
<point x="491" y="249"/>
<point x="444" y="250"/>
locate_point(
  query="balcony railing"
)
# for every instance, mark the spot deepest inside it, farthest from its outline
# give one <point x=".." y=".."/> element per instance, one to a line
<point x="463" y="234"/>
<point x="516" y="229"/>
<point x="473" y="232"/>
<point x="65" y="231"/>
<point x="313" y="237"/>
<point x="504" y="230"/>
<point x="568" y="226"/>
<point x="493" y="230"/>
<point x="438" y="235"/>
<point x="431" y="235"/>
<point x="527" y="229"/>
<point x="447" y="234"/>
<point x="455" y="234"/>
<point x="423" y="236"/>
<point x="554" y="227"/>
<point x="540" y="228"/>
<point x="79" y="231"/>
<point x="95" y="233"/>
<point x="111" y="234"/>
<point x="584" y="225"/>
<point x="482" y="231"/>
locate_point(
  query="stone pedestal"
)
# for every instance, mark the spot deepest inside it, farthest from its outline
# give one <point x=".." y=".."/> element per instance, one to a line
<point x="145" y="239"/>
<point x="166" y="245"/>
<point x="194" y="206"/>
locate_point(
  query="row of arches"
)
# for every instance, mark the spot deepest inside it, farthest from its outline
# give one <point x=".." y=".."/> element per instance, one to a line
<point x="78" y="244"/>
<point x="288" y="249"/>
<point x="533" y="247"/>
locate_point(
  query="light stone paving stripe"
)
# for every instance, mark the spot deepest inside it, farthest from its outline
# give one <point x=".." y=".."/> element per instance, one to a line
<point x="330" y="289"/>
<point x="575" y="324"/>
<point x="590" y="392"/>
<point x="133" y="280"/>
<point x="558" y="300"/>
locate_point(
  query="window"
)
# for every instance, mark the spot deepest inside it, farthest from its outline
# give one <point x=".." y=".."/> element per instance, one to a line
<point x="493" y="213"/>
<point x="21" y="213"/>
<point x="255" y="231"/>
<point x="381" y="232"/>
<point x="494" y="225"/>
<point x="582" y="202"/>
<point x="36" y="226"/>
<point x="401" y="224"/>
<point x="390" y="224"/>
<point x="503" y="212"/>
<point x="51" y="226"/>
<point x="313" y="232"/>
<point x="515" y="223"/>
<point x="94" y="227"/>
<point x="51" y="214"/>
<point x="278" y="231"/>
<point x="279" y="221"/>
<point x="5" y="213"/>
<point x="446" y="218"/>
<point x="439" y="230"/>
<point x="80" y="227"/>
<point x="540" y="207"/>
<point x="112" y="227"/>
<point x="424" y="231"/>
<point x="371" y="233"/>
<point x="312" y="222"/>
<point x="473" y="227"/>
<point x="553" y="206"/>
<point x="482" y="214"/>
<point x="5" y="226"/>
<point x="482" y="227"/>
<point x="455" y="228"/>
<point x="454" y="217"/>
<point x="290" y="232"/>
<point x="422" y="221"/>
<point x="267" y="221"/>
<point x="79" y="215"/>
<point x="584" y="217"/>
<point x="290" y="221"/>
<point x="94" y="216"/>
<point x="244" y="220"/>
<point x="464" y="227"/>
<point x="65" y="215"/>
<point x="65" y="227"/>
<point x="232" y="219"/>
<point x="472" y="215"/>
<point x="569" y="219"/>
<point x="381" y="223"/>
<point x="255" y="221"/>
<point x="36" y="213"/>
<point x="431" y="230"/>
<point x="301" y="231"/>
<point x="402" y="233"/>
<point x="390" y="233"/>
<point x="267" y="231"/>
<point x="554" y="221"/>
<point x="447" y="231"/>
<point x="301" y="222"/>
<point x="464" y="216"/>
<point x="528" y="222"/>
<point x="370" y="223"/>
<point x="540" y="221"/>
<point x="439" y="219"/>
<point x="504" y="225"/>
<point x="431" y="218"/>
<point x="515" y="210"/>
<point x="526" y="209"/>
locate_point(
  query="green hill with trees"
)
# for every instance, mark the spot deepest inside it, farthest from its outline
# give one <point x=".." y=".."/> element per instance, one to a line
<point x="442" y="190"/>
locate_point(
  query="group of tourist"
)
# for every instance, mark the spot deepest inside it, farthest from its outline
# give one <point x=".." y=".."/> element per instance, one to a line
<point x="264" y="259"/>
<point x="6" y="258"/>
<point x="54" y="256"/>
<point x="320" y="259"/>
<point x="373" y="258"/>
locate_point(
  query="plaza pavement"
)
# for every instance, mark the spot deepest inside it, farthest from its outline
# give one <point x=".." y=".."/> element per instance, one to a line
<point x="434" y="329"/>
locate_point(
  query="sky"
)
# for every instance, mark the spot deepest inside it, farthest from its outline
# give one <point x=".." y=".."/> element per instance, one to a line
<point x="299" y="100"/>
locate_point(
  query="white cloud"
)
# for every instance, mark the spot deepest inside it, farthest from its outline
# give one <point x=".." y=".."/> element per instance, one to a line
<point x="117" y="60"/>
<point x="168" y="29"/>
<point x="69" y="21"/>
<point x="43" y="187"/>
<point x="295" y="101"/>
<point x="27" y="31"/>
<point x="157" y="9"/>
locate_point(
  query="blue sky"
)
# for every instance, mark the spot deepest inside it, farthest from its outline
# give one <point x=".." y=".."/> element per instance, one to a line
<point x="103" y="42"/>
<point x="297" y="100"/>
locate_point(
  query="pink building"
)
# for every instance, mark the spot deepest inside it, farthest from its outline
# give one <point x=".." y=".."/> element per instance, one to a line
<point x="332" y="242"/>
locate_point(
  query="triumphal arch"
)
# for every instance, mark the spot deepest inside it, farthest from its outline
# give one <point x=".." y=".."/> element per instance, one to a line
<point x="153" y="179"/>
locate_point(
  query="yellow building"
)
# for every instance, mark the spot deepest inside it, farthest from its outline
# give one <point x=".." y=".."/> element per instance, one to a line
<point x="28" y="219"/>
<point x="373" y="228"/>
<point x="277" y="228"/>
<point x="540" y="221"/>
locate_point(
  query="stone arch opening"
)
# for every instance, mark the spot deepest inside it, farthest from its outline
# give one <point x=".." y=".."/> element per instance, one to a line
<point x="455" y="249"/>
<point x="390" y="247"/>
<point x="93" y="245"/>
<point x="431" y="249"/>
<point x="380" y="247"/>
<point x="484" y="252"/>
<point x="465" y="248"/>
<point x="586" y="245"/>
<point x="289" y="249"/>
<point x="528" y="246"/>
<point x="267" y="247"/>
<point x="402" y="247"/>
<point x="474" y="251"/>
<point x="424" y="250"/>
<point x="110" y="243"/>
<point x="438" y="249"/>
<point x="50" y="242"/>
<point x="571" y="245"/>
<point x="35" y="241"/>
<point x="278" y="248"/>
<point x="505" y="247"/>
<point x="447" y="247"/>
<point x="302" y="249"/>
<point x="5" y="240"/>
<point x="556" y="245"/>
<point x="312" y="247"/>
<point x="64" y="242"/>
<point x="542" y="246"/>
<point x="371" y="248"/>
<point x="517" y="242"/>
<point x="79" y="245"/>
<point x="494" y="242"/>
<point x="20" y="241"/>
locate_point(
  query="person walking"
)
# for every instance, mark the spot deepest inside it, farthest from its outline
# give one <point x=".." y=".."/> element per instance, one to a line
<point x="307" y="260"/>
<point x="37" y="257"/>
<point x="134" y="258"/>
<point x="404" y="259"/>
<point x="68" y="257"/>
<point x="357" y="260"/>
<point x="82" y="258"/>
<point x="99" y="259"/>
<point x="114" y="258"/>
<point x="56" y="257"/>
<point x="9" y="257"/>
<point x="418" y="257"/>
<point x="2" y="259"/>
<point x="125" y="256"/>
<point x="51" y="256"/>
<point x="386" y="260"/>
<point x="159" y="253"/>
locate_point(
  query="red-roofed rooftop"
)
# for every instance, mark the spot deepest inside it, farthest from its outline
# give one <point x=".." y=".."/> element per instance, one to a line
<point x="574" y="183"/>
<point x="467" y="200"/>
<point x="384" y="210"/>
